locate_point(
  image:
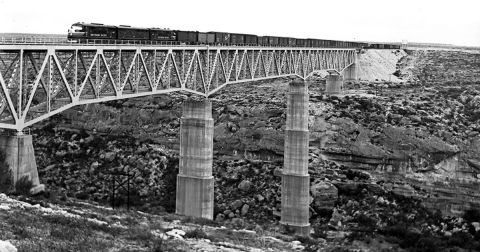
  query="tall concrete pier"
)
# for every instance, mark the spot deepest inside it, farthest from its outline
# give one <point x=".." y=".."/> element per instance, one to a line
<point x="295" y="178"/>
<point x="334" y="84"/>
<point x="20" y="156"/>
<point x="195" y="180"/>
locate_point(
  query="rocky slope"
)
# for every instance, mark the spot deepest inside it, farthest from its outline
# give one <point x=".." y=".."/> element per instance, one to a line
<point x="379" y="65"/>
<point x="410" y="140"/>
<point x="63" y="224"/>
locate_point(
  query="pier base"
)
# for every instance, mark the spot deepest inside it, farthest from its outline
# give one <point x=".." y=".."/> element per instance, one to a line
<point x="334" y="84"/>
<point x="194" y="196"/>
<point x="20" y="156"/>
<point x="295" y="179"/>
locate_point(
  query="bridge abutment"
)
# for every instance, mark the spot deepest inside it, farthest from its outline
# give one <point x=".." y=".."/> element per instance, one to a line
<point x="20" y="156"/>
<point x="194" y="196"/>
<point x="295" y="179"/>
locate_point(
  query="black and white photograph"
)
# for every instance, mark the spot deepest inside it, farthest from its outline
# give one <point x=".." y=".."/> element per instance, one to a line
<point x="239" y="126"/>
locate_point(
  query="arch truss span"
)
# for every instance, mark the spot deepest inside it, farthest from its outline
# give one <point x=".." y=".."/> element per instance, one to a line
<point x="38" y="81"/>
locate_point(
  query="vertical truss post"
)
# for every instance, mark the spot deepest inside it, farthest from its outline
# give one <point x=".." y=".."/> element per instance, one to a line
<point x="20" y="89"/>
<point x="97" y="75"/>
<point x="137" y="75"/>
<point x="120" y="64"/>
<point x="207" y="70"/>
<point x="50" y="82"/>
<point x="75" y="83"/>
<point x="183" y="63"/>
<point x="154" y="69"/>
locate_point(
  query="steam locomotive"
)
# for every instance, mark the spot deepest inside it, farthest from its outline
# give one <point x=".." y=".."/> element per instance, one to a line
<point x="94" y="32"/>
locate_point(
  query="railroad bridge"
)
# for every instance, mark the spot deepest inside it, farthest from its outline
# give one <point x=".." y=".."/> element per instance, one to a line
<point x="39" y="81"/>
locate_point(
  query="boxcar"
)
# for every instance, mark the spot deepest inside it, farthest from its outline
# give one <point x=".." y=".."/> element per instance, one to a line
<point x="304" y="42"/>
<point x="272" y="41"/>
<point x="206" y="38"/>
<point x="188" y="37"/>
<point x="130" y="33"/>
<point x="321" y="43"/>
<point x="269" y="40"/>
<point x="263" y="41"/>
<point x="237" y="39"/>
<point x="313" y="42"/>
<point x="292" y="41"/>
<point x="221" y="37"/>
<point x="301" y="42"/>
<point x="210" y="38"/>
<point x="251" y="39"/>
<point x="308" y="43"/>
<point x="202" y="38"/>
<point x="282" y="41"/>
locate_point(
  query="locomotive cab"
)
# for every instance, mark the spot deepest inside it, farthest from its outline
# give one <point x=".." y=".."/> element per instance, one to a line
<point x="76" y="31"/>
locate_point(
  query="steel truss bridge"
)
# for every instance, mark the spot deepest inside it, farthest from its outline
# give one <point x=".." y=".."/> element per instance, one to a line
<point x="38" y="81"/>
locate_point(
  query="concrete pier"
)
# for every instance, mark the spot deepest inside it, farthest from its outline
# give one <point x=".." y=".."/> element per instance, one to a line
<point x="295" y="179"/>
<point x="20" y="156"/>
<point x="350" y="73"/>
<point x="334" y="84"/>
<point x="195" y="181"/>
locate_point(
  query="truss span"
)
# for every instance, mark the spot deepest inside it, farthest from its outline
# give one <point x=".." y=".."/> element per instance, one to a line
<point x="38" y="81"/>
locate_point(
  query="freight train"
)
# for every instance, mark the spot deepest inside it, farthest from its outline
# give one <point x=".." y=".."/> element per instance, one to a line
<point x="94" y="32"/>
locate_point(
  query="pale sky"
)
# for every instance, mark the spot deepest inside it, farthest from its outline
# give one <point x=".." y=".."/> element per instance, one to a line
<point x="452" y="22"/>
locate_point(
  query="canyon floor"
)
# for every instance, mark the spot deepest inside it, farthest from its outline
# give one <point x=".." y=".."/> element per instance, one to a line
<point x="393" y="162"/>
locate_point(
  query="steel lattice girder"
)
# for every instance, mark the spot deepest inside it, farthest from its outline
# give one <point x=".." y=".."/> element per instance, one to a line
<point x="38" y="81"/>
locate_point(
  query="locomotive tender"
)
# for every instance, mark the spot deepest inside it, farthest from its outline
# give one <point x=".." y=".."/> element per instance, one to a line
<point x="85" y="32"/>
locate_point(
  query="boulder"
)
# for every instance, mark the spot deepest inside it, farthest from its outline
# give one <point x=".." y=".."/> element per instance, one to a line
<point x="94" y="165"/>
<point x="415" y="119"/>
<point x="220" y="217"/>
<point x="237" y="204"/>
<point x="110" y="156"/>
<point x="244" y="210"/>
<point x="260" y="198"/>
<point x="374" y="188"/>
<point x="337" y="235"/>
<point x="238" y="223"/>
<point x="245" y="185"/>
<point x="403" y="190"/>
<point x="349" y="188"/>
<point x="324" y="195"/>
<point x="476" y="225"/>
<point x="176" y="233"/>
